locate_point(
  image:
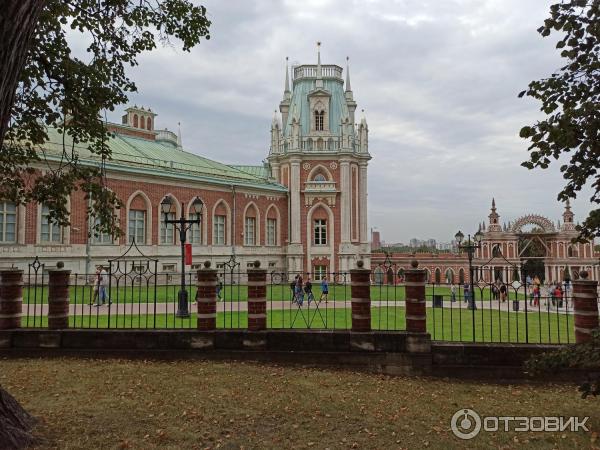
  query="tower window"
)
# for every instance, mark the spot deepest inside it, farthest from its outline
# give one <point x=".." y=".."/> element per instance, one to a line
<point x="320" y="228"/>
<point x="319" y="120"/>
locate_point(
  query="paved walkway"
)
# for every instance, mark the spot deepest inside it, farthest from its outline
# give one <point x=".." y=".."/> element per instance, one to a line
<point x="242" y="306"/>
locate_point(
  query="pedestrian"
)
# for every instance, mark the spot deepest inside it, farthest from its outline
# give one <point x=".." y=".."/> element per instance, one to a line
<point x="536" y="296"/>
<point x="308" y="290"/>
<point x="495" y="293"/>
<point x="452" y="292"/>
<point x="503" y="292"/>
<point x="293" y="288"/>
<point x="96" y="288"/>
<point x="324" y="289"/>
<point x="219" y="287"/>
<point x="103" y="288"/>
<point x="466" y="290"/>
<point x="528" y="280"/>
<point x="299" y="291"/>
<point x="559" y="296"/>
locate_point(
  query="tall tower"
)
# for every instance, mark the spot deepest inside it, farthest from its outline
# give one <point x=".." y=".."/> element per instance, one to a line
<point x="321" y="155"/>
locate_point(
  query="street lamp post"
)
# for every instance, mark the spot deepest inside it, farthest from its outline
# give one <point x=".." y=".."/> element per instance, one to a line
<point x="182" y="225"/>
<point x="470" y="247"/>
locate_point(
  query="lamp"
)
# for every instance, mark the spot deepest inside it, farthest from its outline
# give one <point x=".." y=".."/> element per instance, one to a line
<point x="197" y="206"/>
<point x="478" y="236"/>
<point x="166" y="205"/>
<point x="459" y="237"/>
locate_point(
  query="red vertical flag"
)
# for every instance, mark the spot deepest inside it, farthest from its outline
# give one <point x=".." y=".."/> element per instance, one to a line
<point x="188" y="254"/>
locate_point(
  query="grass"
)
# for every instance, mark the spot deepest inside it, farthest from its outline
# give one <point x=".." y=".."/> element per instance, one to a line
<point x="164" y="294"/>
<point x="118" y="404"/>
<point x="442" y="324"/>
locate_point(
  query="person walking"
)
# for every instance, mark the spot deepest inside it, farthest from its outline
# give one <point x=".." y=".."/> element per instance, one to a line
<point x="219" y="287"/>
<point x="308" y="290"/>
<point x="559" y="296"/>
<point x="103" y="288"/>
<point x="96" y="289"/>
<point x="452" y="292"/>
<point x="503" y="292"/>
<point x="293" y="288"/>
<point x="466" y="291"/>
<point x="299" y="291"/>
<point x="324" y="289"/>
<point x="536" y="296"/>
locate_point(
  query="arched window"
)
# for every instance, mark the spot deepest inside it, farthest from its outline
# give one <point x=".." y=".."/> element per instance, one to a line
<point x="378" y="276"/>
<point x="401" y="273"/>
<point x="320" y="144"/>
<point x="271" y="230"/>
<point x="319" y="120"/>
<point x="135" y="120"/>
<point x="438" y="276"/>
<point x="251" y="226"/>
<point x="149" y="123"/>
<point x="167" y="231"/>
<point x="50" y="231"/>
<point x="330" y="144"/>
<point x="319" y="178"/>
<point x="427" y="275"/>
<point x="449" y="276"/>
<point x="220" y="224"/>
<point x="461" y="276"/>
<point x="390" y="276"/>
<point x="142" y="122"/>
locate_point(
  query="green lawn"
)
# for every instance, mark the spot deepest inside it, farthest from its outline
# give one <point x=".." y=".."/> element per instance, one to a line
<point x="443" y="324"/>
<point x="165" y="294"/>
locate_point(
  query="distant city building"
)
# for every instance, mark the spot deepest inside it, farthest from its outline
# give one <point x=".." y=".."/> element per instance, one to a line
<point x="375" y="240"/>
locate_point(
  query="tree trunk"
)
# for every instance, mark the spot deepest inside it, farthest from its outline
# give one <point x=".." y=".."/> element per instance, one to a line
<point x="15" y="423"/>
<point x="18" y="19"/>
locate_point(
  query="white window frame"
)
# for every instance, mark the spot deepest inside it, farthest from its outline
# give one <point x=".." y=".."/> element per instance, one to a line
<point x="102" y="238"/>
<point x="167" y="231"/>
<point x="195" y="236"/>
<point x="55" y="234"/>
<point x="271" y="231"/>
<point x="219" y="222"/>
<point x="319" y="272"/>
<point x="4" y="215"/>
<point x="136" y="219"/>
<point x="320" y="232"/>
<point x="250" y="231"/>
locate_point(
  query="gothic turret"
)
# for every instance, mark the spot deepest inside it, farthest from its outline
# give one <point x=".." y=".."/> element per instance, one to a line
<point x="494" y="224"/>
<point x="568" y="224"/>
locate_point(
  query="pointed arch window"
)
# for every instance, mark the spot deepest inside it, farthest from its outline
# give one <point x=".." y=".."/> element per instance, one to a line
<point x="319" y="120"/>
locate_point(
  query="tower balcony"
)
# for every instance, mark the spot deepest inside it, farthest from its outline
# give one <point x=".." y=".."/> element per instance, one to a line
<point x="319" y="186"/>
<point x="309" y="71"/>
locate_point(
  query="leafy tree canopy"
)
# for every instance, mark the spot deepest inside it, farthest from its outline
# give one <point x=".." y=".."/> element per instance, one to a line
<point x="57" y="88"/>
<point x="571" y="100"/>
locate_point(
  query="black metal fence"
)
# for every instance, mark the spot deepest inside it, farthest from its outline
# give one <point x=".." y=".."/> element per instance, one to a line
<point x="139" y="297"/>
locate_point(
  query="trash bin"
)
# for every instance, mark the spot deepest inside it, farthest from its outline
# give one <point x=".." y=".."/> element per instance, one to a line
<point x="515" y="305"/>
<point x="438" y="301"/>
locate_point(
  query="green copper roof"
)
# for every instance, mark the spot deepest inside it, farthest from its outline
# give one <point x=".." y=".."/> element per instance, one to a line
<point x="257" y="171"/>
<point x="299" y="105"/>
<point x="146" y="156"/>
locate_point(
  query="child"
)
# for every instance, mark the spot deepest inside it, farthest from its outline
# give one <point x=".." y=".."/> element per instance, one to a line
<point x="324" y="289"/>
<point x="308" y="290"/>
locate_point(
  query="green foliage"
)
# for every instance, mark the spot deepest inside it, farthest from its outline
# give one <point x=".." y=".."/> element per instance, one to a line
<point x="571" y="100"/>
<point x="69" y="91"/>
<point x="582" y="356"/>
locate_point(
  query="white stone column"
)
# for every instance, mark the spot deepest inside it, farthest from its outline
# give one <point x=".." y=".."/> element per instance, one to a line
<point x="346" y="199"/>
<point x="362" y="203"/>
<point x="295" y="201"/>
<point x="275" y="172"/>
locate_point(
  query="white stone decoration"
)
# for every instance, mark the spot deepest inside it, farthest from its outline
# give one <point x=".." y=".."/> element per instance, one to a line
<point x="333" y="165"/>
<point x="306" y="166"/>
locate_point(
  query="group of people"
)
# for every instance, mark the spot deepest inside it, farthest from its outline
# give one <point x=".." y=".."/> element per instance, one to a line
<point x="300" y="288"/>
<point x="556" y="292"/>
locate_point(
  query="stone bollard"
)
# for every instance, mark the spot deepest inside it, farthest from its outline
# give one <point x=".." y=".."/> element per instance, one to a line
<point x="360" y="288"/>
<point x="207" y="298"/>
<point x="11" y="298"/>
<point x="58" y="298"/>
<point x="257" y="298"/>
<point x="585" y="306"/>
<point x="416" y="314"/>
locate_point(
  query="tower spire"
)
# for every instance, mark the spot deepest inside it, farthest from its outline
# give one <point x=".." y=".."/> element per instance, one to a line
<point x="179" y="144"/>
<point x="287" y="77"/>
<point x="319" y="81"/>
<point x="348" y="88"/>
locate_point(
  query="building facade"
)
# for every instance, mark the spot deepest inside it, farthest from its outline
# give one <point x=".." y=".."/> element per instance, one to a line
<point x="304" y="210"/>
<point x="531" y="245"/>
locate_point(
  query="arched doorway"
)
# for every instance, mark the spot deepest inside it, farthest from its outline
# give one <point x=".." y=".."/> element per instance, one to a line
<point x="532" y="251"/>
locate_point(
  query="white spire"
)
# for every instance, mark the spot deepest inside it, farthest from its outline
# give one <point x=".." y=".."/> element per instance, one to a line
<point x="287" y="77"/>
<point x="348" y="88"/>
<point x="179" y="144"/>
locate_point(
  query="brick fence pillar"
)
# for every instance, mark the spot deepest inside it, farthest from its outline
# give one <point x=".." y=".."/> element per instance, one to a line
<point x="257" y="298"/>
<point x="585" y="306"/>
<point x="11" y="298"/>
<point x="360" y="288"/>
<point x="416" y="315"/>
<point x="58" y="298"/>
<point x="207" y="298"/>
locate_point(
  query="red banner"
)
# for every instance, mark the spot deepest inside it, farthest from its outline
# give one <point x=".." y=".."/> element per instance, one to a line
<point x="188" y="254"/>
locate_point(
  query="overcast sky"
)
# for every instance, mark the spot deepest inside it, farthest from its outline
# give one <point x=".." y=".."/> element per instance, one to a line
<point x="438" y="81"/>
